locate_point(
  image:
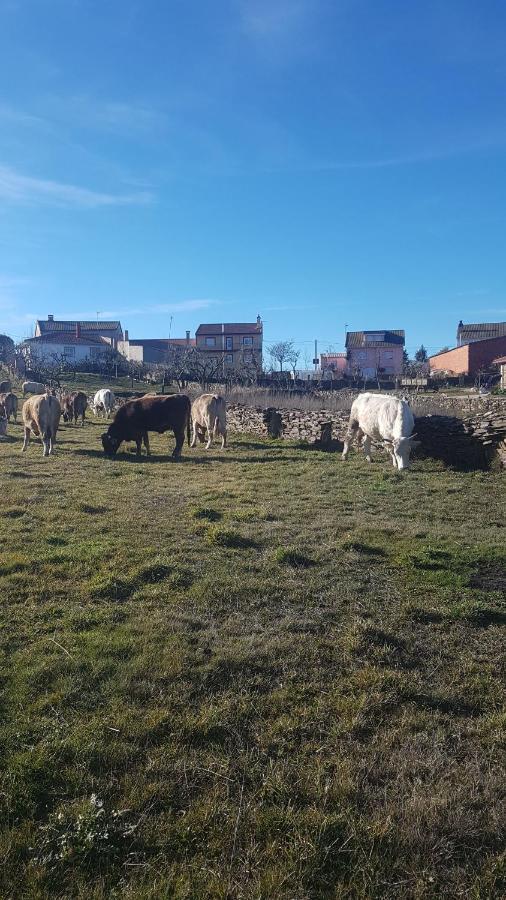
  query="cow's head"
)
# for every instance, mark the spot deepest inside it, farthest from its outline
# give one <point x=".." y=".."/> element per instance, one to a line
<point x="110" y="443"/>
<point x="401" y="449"/>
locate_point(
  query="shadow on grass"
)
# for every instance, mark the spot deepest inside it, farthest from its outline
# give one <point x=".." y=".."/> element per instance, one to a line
<point x="449" y="705"/>
<point x="194" y="460"/>
<point x="335" y="446"/>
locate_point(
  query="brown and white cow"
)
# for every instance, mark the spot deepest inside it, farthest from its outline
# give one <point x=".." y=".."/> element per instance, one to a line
<point x="41" y="417"/>
<point x="74" y="406"/>
<point x="209" y="413"/>
<point x="136" y="418"/>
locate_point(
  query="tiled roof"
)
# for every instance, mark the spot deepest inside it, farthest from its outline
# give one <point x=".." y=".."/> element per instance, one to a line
<point x="480" y="331"/>
<point x="360" y="338"/>
<point x="51" y="325"/>
<point x="62" y="337"/>
<point x="230" y="328"/>
<point x="501" y="361"/>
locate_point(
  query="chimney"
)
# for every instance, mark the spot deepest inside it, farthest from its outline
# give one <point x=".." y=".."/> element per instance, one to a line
<point x="126" y="334"/>
<point x="50" y="318"/>
<point x="259" y="320"/>
<point x="187" y="338"/>
<point x="78" y="329"/>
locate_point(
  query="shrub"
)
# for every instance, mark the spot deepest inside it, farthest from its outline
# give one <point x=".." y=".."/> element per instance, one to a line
<point x="288" y="556"/>
<point x="226" y="537"/>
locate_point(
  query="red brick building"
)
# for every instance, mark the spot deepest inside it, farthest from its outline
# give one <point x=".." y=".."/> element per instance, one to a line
<point x="469" y="359"/>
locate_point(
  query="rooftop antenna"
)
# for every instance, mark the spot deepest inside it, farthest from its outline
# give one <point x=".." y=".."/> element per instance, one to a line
<point x="170" y="326"/>
<point x="98" y="313"/>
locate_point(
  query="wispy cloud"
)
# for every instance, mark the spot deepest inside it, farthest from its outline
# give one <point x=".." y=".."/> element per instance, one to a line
<point x="280" y="29"/>
<point x="267" y="19"/>
<point x="123" y="118"/>
<point x="23" y="189"/>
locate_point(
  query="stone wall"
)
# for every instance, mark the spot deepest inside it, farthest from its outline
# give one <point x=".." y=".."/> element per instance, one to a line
<point x="464" y="443"/>
<point x="298" y="425"/>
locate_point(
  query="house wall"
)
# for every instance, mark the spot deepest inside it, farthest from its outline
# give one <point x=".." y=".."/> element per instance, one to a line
<point x="470" y="358"/>
<point x="236" y="352"/>
<point x="43" y="351"/>
<point x="455" y="361"/>
<point x="369" y="359"/>
<point x="132" y="352"/>
<point x="482" y="353"/>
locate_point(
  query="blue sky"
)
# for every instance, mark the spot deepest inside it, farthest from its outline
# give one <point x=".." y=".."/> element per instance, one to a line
<point x="319" y="162"/>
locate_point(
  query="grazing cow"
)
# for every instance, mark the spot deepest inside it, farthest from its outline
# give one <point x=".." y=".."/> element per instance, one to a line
<point x="33" y="387"/>
<point x="378" y="417"/>
<point x="41" y="415"/>
<point x="5" y="387"/>
<point x="103" y="402"/>
<point x="3" y="425"/>
<point x="135" y="418"/>
<point x="9" y="404"/>
<point x="73" y="406"/>
<point x="209" y="413"/>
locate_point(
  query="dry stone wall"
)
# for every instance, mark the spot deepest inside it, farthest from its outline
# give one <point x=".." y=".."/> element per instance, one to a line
<point x="298" y="425"/>
<point x="465" y="443"/>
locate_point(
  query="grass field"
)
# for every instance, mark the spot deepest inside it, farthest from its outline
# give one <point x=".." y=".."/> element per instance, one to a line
<point x="257" y="673"/>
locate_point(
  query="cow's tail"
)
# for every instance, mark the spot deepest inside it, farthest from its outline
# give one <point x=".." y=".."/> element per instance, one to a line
<point x="188" y="420"/>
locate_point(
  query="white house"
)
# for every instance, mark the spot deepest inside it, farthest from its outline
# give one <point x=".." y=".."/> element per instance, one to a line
<point x="71" y="346"/>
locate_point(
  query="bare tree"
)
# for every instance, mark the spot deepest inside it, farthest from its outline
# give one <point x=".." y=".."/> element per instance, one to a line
<point x="282" y="352"/>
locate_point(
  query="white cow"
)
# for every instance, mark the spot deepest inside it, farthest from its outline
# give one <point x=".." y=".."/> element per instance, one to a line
<point x="33" y="387"/>
<point x="103" y="401"/>
<point x="209" y="413"/>
<point x="41" y="416"/>
<point x="387" y="420"/>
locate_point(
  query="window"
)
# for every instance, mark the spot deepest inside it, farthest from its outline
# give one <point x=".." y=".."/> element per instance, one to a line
<point x="228" y="343"/>
<point x="69" y="351"/>
<point x="247" y="341"/>
<point x="388" y="354"/>
<point x="375" y="336"/>
<point x="95" y="352"/>
<point x="247" y="356"/>
<point x="210" y="342"/>
<point x="362" y="354"/>
<point x="229" y="359"/>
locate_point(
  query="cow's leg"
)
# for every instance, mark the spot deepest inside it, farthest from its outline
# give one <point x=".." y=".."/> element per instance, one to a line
<point x="138" y="444"/>
<point x="353" y="429"/>
<point x="194" y="435"/>
<point x="27" y="438"/>
<point x="210" y="427"/>
<point x="146" y="443"/>
<point x="179" y="436"/>
<point x="366" y="444"/>
<point x="223" y="439"/>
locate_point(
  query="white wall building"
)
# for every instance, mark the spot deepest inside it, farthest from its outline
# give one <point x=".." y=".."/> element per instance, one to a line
<point x="64" y="346"/>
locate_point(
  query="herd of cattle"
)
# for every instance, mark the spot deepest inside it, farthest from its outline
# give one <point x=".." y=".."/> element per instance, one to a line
<point x="377" y="418"/>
